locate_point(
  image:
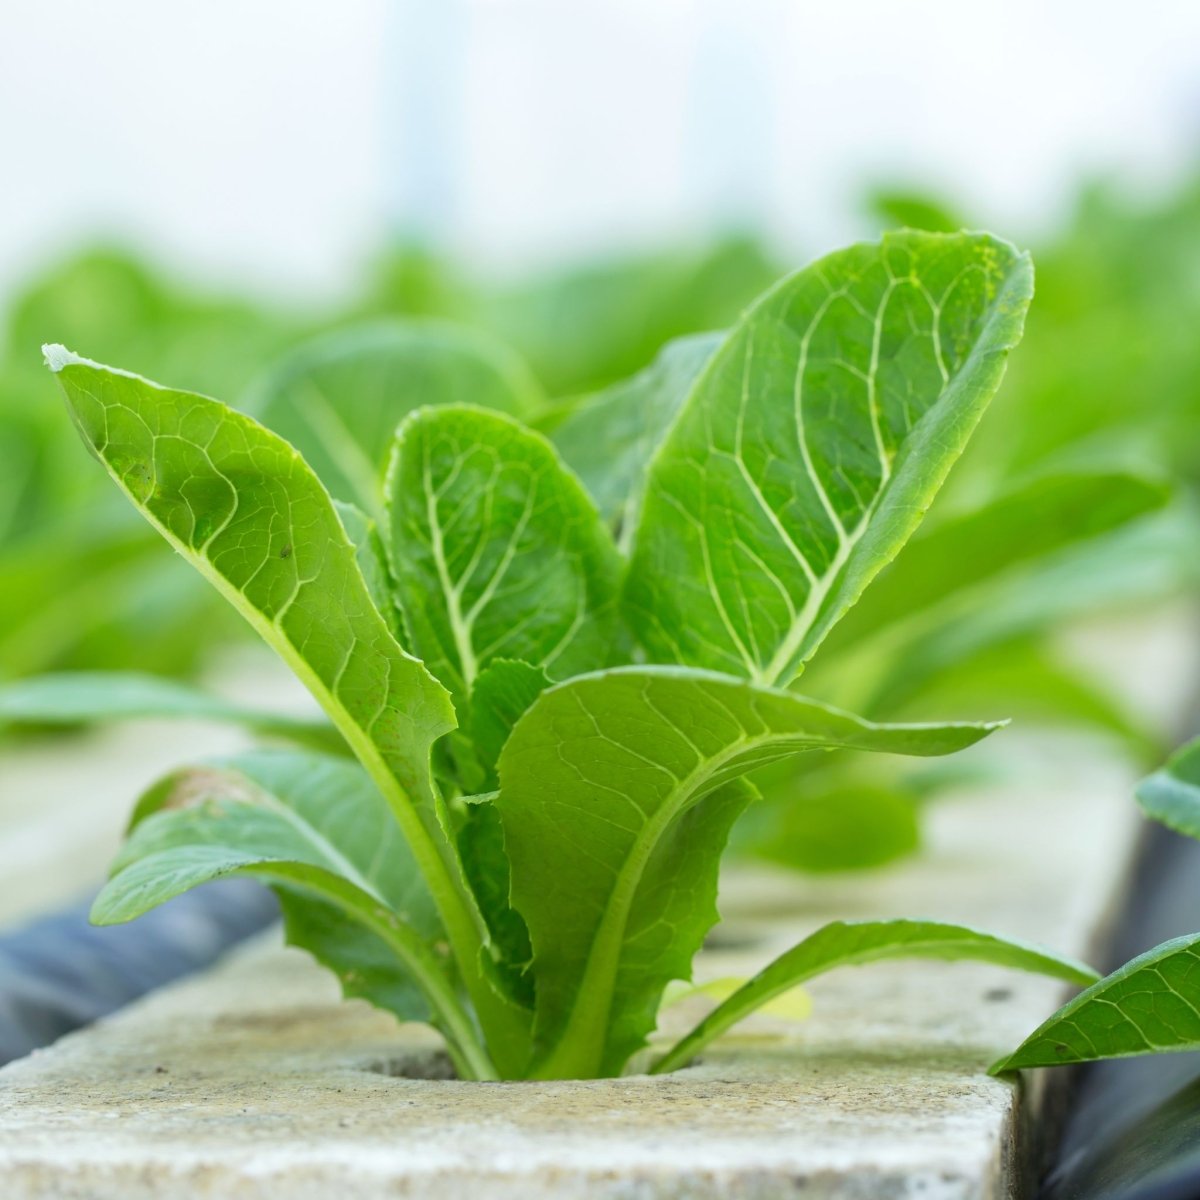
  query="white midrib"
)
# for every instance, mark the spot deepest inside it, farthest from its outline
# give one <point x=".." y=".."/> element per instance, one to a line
<point x="462" y="625"/>
<point x="460" y="629"/>
<point x="782" y="661"/>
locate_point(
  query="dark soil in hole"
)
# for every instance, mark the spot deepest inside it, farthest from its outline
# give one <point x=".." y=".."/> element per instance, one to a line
<point x="430" y="1064"/>
<point x="733" y="937"/>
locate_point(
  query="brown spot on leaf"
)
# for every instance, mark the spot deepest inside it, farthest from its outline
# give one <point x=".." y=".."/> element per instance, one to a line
<point x="204" y="785"/>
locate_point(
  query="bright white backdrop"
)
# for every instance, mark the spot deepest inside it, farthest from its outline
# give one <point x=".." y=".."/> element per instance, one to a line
<point x="274" y="141"/>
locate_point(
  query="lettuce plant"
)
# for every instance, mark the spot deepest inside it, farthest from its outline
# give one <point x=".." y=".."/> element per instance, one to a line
<point x="545" y="731"/>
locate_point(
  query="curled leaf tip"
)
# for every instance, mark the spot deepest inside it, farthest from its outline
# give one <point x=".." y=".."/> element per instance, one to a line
<point x="57" y="356"/>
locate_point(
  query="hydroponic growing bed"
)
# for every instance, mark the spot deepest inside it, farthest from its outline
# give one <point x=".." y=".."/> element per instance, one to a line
<point x="577" y="665"/>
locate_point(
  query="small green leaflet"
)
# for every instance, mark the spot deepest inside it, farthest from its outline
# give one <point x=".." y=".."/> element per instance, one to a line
<point x="609" y="438"/>
<point x="86" y="697"/>
<point x="617" y="791"/>
<point x="1148" y="1006"/>
<point x="846" y="943"/>
<point x="339" y="398"/>
<point x="497" y="550"/>
<point x="500" y="697"/>
<point x="503" y="692"/>
<point x="1152" y="1003"/>
<point x="1171" y="796"/>
<point x="813" y="442"/>
<point x="486" y="866"/>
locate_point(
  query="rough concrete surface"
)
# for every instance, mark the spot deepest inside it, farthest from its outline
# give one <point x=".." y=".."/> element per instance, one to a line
<point x="254" y="1081"/>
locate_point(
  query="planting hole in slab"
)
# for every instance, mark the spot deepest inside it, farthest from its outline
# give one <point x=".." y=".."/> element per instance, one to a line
<point x="734" y="938"/>
<point x="428" y="1065"/>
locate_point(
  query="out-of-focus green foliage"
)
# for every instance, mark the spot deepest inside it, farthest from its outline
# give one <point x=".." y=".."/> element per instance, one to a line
<point x="1115" y="368"/>
<point x="905" y="208"/>
<point x="74" y="589"/>
<point x="1107" y="388"/>
<point x="1105" y="396"/>
<point x="113" y="301"/>
<point x="592" y="324"/>
<point x="1112" y="371"/>
<point x="80" y="584"/>
<point x="338" y="398"/>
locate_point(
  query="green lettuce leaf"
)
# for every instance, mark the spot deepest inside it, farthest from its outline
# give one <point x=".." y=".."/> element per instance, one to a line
<point x="1148" y="1006"/>
<point x="812" y="444"/>
<point x="319" y="831"/>
<point x="242" y="507"/>
<point x="617" y="791"/>
<point x="497" y="550"/>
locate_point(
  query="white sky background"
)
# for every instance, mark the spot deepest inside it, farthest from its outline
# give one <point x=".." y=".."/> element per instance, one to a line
<point x="273" y="142"/>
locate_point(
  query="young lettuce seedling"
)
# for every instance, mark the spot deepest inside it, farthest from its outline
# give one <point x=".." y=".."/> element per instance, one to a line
<point x="547" y="732"/>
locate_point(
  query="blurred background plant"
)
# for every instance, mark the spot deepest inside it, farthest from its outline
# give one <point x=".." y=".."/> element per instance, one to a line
<point x="453" y="216"/>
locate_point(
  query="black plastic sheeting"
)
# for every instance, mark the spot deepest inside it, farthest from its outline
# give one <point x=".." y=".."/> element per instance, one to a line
<point x="1133" y="1126"/>
<point x="59" y="973"/>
